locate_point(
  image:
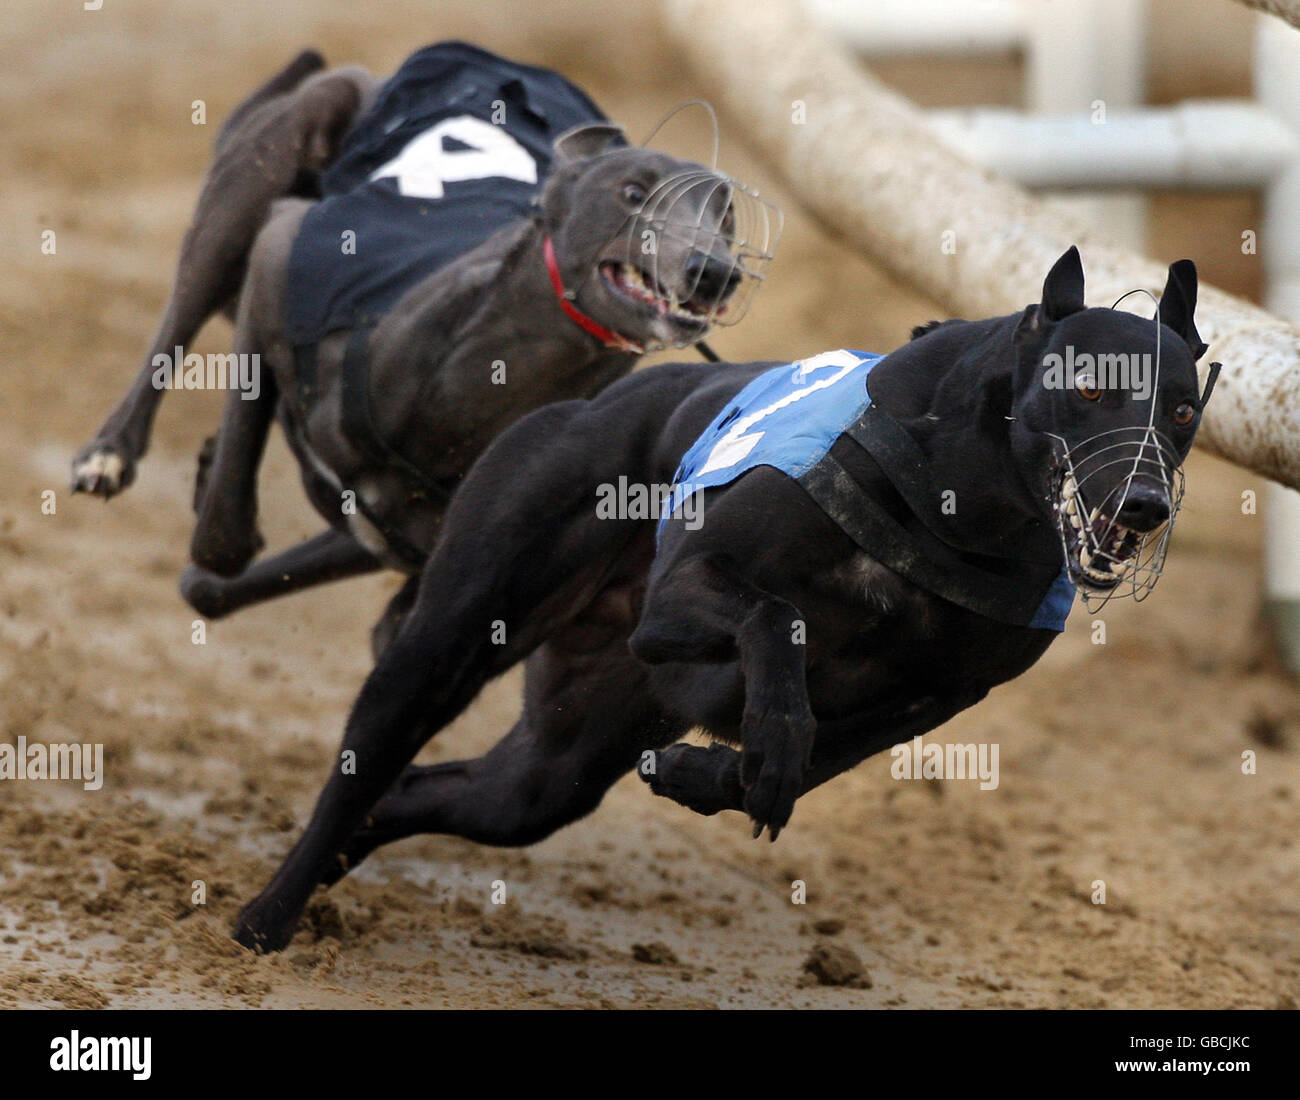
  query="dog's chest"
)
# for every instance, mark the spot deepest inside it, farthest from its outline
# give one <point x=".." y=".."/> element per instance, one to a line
<point x="861" y="620"/>
<point x="873" y="590"/>
<point x="872" y="634"/>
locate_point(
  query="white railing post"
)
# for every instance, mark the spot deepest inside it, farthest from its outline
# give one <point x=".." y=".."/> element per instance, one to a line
<point x="1277" y="86"/>
<point x="1079" y="54"/>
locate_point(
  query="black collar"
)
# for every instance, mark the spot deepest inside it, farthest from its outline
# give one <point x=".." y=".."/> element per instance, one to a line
<point x="911" y="535"/>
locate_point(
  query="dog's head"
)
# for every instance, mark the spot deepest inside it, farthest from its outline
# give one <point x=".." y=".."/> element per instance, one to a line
<point x="1105" y="406"/>
<point x="653" y="248"/>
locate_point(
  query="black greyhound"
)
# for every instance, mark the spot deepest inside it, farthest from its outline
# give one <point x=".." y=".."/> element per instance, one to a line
<point x="769" y="625"/>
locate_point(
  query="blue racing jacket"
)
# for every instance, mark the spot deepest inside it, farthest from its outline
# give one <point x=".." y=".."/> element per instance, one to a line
<point x="788" y="418"/>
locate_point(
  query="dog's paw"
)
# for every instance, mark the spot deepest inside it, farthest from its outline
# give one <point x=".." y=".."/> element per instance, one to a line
<point x="776" y="754"/>
<point x="205" y="592"/>
<point x="103" y="469"/>
<point x="264" y="926"/>
<point x="703" y="779"/>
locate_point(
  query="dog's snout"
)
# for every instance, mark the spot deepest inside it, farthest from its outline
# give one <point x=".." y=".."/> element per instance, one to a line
<point x="712" y="279"/>
<point x="1144" y="509"/>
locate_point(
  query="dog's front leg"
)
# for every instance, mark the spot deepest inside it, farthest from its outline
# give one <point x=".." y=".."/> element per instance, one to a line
<point x="704" y="610"/>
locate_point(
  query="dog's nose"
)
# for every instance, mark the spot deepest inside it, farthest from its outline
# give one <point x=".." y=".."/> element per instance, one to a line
<point x="711" y="278"/>
<point x="1144" y="509"/>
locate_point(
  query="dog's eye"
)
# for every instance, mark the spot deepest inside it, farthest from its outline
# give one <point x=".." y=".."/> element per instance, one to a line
<point x="633" y="194"/>
<point x="1185" y="413"/>
<point x="1087" y="387"/>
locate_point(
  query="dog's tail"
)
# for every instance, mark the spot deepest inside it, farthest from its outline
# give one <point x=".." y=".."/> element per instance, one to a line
<point x="286" y="80"/>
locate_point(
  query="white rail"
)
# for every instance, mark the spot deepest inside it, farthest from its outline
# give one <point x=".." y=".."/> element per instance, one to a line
<point x="1196" y="144"/>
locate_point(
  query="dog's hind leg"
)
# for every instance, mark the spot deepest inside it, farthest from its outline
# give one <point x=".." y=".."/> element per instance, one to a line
<point x="225" y="536"/>
<point x="588" y="719"/>
<point x="330" y="556"/>
<point x="384" y="631"/>
<point x="286" y="80"/>
<point x="523" y="551"/>
<point x="274" y="146"/>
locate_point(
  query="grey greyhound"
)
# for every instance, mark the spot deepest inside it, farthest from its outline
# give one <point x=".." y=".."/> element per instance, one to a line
<point x="385" y="414"/>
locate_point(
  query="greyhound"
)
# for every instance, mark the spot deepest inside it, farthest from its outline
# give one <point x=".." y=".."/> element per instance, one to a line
<point x="802" y="594"/>
<point x="385" y="413"/>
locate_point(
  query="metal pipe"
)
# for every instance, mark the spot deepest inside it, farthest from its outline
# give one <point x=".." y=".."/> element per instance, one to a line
<point x="1212" y="144"/>
<point x="885" y="28"/>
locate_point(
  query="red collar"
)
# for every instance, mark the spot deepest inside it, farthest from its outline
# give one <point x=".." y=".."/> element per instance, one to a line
<point x="606" y="336"/>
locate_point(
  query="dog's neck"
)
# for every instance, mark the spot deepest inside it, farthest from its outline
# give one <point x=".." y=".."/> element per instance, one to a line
<point x="528" y="295"/>
<point x="952" y="390"/>
<point x="497" y="302"/>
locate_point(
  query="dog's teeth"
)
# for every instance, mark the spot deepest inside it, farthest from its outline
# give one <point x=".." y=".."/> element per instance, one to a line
<point x="1068" y="490"/>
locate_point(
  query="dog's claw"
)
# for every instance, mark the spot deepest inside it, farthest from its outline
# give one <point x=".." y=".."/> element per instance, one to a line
<point x="778" y="748"/>
<point x="758" y="829"/>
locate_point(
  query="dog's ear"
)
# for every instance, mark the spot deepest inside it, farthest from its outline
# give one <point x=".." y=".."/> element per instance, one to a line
<point x="1178" y="305"/>
<point x="1062" y="294"/>
<point x="1063" y="287"/>
<point x="587" y="140"/>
